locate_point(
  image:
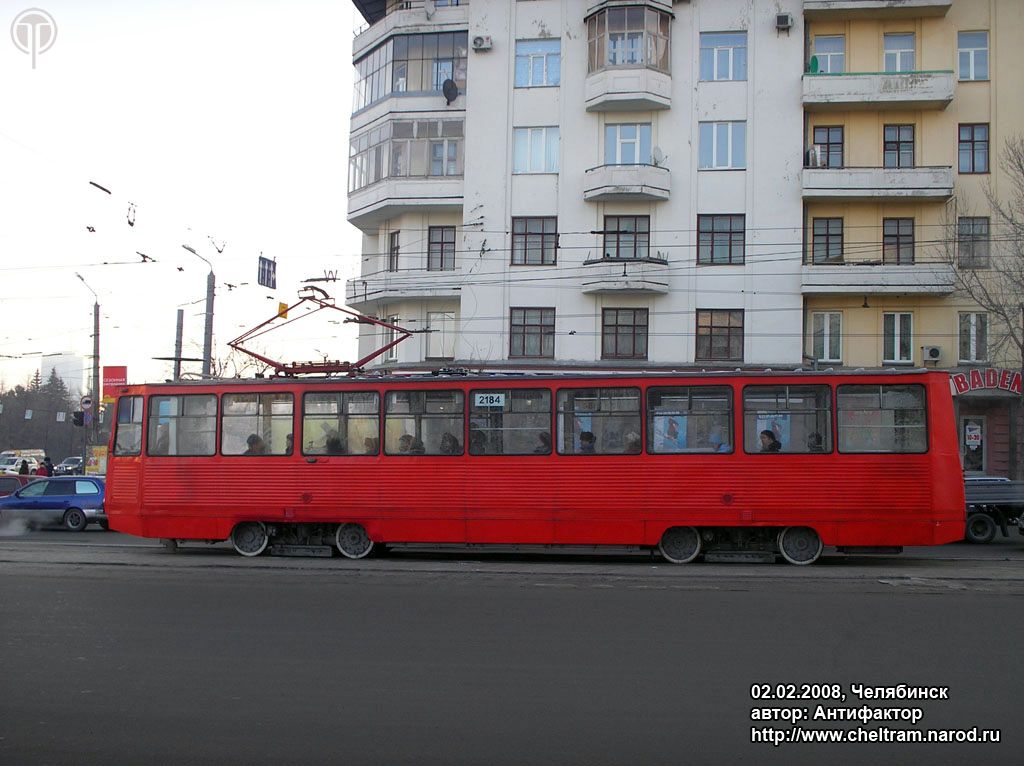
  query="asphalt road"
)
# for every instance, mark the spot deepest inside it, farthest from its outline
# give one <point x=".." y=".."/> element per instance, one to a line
<point x="115" y="651"/>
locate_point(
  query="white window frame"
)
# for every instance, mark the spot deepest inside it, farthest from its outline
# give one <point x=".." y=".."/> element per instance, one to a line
<point x="973" y="318"/>
<point x="613" y="148"/>
<point x="729" y="75"/>
<point x="391" y="355"/>
<point x="451" y="164"/>
<point x="531" y="163"/>
<point x="441" y="339"/>
<point x="827" y="337"/>
<point x="903" y="324"/>
<point x="827" y="57"/>
<point x="972" y="56"/>
<point x="538" y="61"/>
<point x="900" y="54"/>
<point x="730" y="152"/>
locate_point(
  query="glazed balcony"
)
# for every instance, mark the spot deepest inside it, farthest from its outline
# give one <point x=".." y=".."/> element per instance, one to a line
<point x="878" y="91"/>
<point x="920" y="184"/>
<point x="627" y="183"/>
<point x="404" y="17"/>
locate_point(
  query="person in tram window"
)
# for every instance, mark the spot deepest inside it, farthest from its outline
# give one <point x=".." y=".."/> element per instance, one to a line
<point x="587" y="443"/>
<point x="717" y="443"/>
<point x="370" y="445"/>
<point x="255" y="445"/>
<point x="543" y="444"/>
<point x="815" y="442"/>
<point x="632" y="443"/>
<point x="477" y="442"/>
<point x="450" y="445"/>
<point x="334" y="445"/>
<point x="410" y="445"/>
<point x="769" y="443"/>
<point x="289" y="444"/>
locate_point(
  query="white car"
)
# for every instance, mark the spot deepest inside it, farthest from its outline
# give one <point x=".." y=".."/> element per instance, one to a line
<point x="10" y="464"/>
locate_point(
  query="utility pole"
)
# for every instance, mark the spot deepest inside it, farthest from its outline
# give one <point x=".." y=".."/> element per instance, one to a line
<point x="177" y="345"/>
<point x="95" y="358"/>
<point x="208" y="331"/>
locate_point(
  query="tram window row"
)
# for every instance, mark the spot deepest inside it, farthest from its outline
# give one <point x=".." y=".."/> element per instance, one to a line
<point x="778" y="418"/>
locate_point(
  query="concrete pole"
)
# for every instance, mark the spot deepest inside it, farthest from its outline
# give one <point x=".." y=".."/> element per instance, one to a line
<point x="177" y="345"/>
<point x="208" y="334"/>
<point x="96" y="393"/>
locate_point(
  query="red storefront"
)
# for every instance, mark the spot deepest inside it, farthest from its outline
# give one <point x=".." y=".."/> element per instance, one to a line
<point x="988" y="404"/>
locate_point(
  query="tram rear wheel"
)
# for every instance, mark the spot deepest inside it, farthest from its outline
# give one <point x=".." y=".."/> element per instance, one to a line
<point x="680" y="545"/>
<point x="800" y="545"/>
<point x="353" y="542"/>
<point x="250" y="538"/>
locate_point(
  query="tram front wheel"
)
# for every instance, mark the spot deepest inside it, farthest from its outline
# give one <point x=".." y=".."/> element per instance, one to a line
<point x="800" y="545"/>
<point x="353" y="542"/>
<point x="250" y="538"/>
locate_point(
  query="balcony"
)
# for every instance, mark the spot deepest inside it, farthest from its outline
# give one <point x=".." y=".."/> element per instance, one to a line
<point x="625" y="276"/>
<point x="628" y="89"/>
<point x="843" y="10"/>
<point x="933" y="278"/>
<point x="405" y="17"/>
<point x="365" y="293"/>
<point x="369" y="206"/>
<point x="921" y="184"/>
<point x="627" y="183"/>
<point x="878" y="91"/>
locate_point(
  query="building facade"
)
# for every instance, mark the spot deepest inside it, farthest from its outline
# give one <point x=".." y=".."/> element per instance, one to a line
<point x="695" y="184"/>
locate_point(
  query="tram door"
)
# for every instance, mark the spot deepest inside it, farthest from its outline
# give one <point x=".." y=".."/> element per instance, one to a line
<point x="972" y="443"/>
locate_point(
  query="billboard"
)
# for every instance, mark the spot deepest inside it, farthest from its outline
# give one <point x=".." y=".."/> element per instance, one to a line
<point x="113" y="377"/>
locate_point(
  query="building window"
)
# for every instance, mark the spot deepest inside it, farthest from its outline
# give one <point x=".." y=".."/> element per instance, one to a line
<point x="393" y="251"/>
<point x="973" y="337"/>
<point x="624" y="334"/>
<point x="534" y="241"/>
<point x="897" y="338"/>
<point x="723" y="145"/>
<point x="535" y="150"/>
<point x="827" y="336"/>
<point x="973" y="242"/>
<point x="630" y="36"/>
<point x="973" y="153"/>
<point x="721" y="239"/>
<point x="538" y="63"/>
<point x="972" y="55"/>
<point x="626" y="236"/>
<point x="899" y="146"/>
<point x="719" y="335"/>
<point x="441" y="329"/>
<point x="441" y="248"/>
<point x="410" y="63"/>
<point x="828" y="140"/>
<point x="897" y="241"/>
<point x="899" y="52"/>
<point x="390" y="336"/>
<point x="830" y="51"/>
<point x="827" y="242"/>
<point x="532" y="333"/>
<point x="723" y="56"/>
<point x="405" y="148"/>
<point x="627" y="144"/>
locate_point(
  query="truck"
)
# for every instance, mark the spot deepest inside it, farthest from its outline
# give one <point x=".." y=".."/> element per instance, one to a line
<point x="993" y="504"/>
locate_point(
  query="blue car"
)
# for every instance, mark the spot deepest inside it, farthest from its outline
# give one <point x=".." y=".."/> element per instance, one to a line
<point x="71" y="501"/>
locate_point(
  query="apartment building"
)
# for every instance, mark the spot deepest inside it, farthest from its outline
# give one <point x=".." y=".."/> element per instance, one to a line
<point x="689" y="184"/>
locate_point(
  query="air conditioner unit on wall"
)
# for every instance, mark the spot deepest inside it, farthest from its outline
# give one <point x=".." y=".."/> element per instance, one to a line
<point x="482" y="43"/>
<point x="931" y="353"/>
<point x="784" y="21"/>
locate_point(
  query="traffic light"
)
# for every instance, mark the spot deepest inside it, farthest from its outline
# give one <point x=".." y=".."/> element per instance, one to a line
<point x="78" y="418"/>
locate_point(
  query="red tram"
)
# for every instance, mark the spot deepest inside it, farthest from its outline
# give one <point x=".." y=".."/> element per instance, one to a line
<point x="764" y="463"/>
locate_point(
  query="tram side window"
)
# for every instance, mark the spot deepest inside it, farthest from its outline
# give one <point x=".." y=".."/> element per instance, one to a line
<point x="341" y="423"/>
<point x="689" y="419"/>
<point x="514" y="421"/>
<point x="880" y="418"/>
<point x="182" y="425"/>
<point x="423" y="422"/>
<point x="794" y="419"/>
<point x="256" y="424"/>
<point x="603" y="421"/>
<point x="128" y="440"/>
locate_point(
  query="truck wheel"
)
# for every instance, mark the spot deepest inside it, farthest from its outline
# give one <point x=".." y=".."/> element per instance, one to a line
<point x="981" y="528"/>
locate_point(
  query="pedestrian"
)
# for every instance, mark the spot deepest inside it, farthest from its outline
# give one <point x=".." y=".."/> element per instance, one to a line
<point x="23" y="468"/>
<point x="49" y="465"/>
<point x="42" y="469"/>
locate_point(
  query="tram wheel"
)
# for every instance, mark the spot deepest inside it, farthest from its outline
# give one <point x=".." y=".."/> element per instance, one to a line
<point x="353" y="541"/>
<point x="800" y="545"/>
<point x="680" y="545"/>
<point x="981" y="528"/>
<point x="250" y="538"/>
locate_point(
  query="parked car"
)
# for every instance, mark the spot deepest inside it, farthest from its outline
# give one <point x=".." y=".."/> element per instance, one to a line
<point x="12" y="483"/>
<point x="13" y="464"/>
<point x="74" y="502"/>
<point x="69" y="466"/>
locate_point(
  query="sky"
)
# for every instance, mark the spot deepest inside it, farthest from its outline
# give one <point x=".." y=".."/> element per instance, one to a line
<point x="220" y="124"/>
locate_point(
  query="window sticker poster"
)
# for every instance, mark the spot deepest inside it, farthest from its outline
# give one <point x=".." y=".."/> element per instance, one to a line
<point x="669" y="433"/>
<point x="777" y="423"/>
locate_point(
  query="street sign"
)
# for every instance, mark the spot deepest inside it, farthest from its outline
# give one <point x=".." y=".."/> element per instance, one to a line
<point x="86" y="402"/>
<point x="267" y="275"/>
